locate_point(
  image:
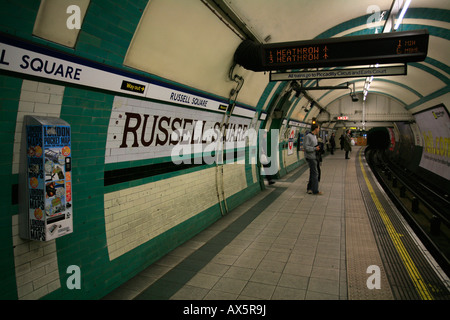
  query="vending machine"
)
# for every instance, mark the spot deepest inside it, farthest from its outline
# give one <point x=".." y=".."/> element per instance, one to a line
<point x="45" y="186"/>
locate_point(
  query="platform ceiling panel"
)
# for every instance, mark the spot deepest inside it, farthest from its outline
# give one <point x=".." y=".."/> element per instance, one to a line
<point x="292" y="20"/>
<point x="171" y="42"/>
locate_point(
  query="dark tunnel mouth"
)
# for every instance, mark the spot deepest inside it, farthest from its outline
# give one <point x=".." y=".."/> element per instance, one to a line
<point x="378" y="138"/>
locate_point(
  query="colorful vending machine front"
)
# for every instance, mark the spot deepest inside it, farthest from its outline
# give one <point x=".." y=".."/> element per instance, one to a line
<point x="45" y="196"/>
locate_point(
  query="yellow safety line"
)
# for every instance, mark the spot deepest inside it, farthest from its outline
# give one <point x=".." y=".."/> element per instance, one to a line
<point x="414" y="274"/>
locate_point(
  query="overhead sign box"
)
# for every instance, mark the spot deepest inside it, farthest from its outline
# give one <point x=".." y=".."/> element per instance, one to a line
<point x="383" y="48"/>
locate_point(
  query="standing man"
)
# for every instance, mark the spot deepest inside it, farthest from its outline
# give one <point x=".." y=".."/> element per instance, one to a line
<point x="347" y="143"/>
<point x="311" y="146"/>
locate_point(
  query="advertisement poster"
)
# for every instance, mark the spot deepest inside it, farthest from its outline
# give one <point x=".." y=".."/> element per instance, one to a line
<point x="416" y="132"/>
<point x="36" y="183"/>
<point x="49" y="181"/>
<point x="392" y="138"/>
<point x="291" y="141"/>
<point x="434" y="125"/>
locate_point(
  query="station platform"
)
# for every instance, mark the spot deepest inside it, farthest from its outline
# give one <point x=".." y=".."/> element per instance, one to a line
<point x="284" y="244"/>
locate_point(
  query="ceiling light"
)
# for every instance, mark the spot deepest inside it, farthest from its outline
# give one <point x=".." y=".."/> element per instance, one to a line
<point x="402" y="14"/>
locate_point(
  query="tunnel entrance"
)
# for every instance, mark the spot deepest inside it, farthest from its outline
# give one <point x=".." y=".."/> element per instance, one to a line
<point x="378" y="138"/>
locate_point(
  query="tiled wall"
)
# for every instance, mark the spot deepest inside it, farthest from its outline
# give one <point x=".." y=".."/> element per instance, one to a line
<point x="36" y="264"/>
<point x="39" y="99"/>
<point x="120" y="227"/>
<point x="136" y="215"/>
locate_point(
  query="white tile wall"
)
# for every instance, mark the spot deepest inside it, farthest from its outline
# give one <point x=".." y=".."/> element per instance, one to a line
<point x="36" y="266"/>
<point x="36" y="262"/>
<point x="36" y="98"/>
<point x="136" y="215"/>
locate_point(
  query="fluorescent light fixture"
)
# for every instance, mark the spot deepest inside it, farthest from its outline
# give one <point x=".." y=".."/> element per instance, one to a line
<point x="395" y="8"/>
<point x="402" y="14"/>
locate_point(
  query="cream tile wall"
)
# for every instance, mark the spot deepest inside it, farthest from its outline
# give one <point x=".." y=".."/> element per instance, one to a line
<point x="136" y="215"/>
<point x="290" y="158"/>
<point x="39" y="99"/>
<point x="36" y="266"/>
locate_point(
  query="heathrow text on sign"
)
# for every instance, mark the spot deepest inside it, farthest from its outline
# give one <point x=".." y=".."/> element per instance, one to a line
<point x="356" y="50"/>
<point x="384" y="48"/>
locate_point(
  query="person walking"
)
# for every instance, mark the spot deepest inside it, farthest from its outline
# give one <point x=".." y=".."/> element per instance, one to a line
<point x="347" y="143"/>
<point x="311" y="146"/>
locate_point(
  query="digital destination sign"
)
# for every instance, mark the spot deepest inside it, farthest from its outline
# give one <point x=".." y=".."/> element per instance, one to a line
<point x="395" y="47"/>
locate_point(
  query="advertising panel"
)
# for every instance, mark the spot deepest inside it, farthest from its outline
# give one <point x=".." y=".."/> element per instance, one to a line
<point x="434" y="125"/>
<point x="47" y="204"/>
<point x="291" y="141"/>
<point x="393" y="138"/>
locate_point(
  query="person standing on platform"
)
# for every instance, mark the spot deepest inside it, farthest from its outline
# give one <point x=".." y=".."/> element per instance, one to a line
<point x="332" y="143"/>
<point x="341" y="141"/>
<point x="347" y="143"/>
<point x="311" y="146"/>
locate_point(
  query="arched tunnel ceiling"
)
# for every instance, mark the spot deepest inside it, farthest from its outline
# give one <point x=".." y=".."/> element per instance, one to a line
<point x="300" y="20"/>
<point x="275" y="21"/>
<point x="193" y="43"/>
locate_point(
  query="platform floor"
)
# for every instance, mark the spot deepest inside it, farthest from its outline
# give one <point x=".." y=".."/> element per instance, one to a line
<point x="284" y="244"/>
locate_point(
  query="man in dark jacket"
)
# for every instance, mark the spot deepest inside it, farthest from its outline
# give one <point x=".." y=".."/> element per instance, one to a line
<point x="347" y="143"/>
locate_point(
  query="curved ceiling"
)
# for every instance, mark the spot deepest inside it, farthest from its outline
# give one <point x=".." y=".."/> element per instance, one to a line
<point x="287" y="20"/>
<point x="194" y="43"/>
